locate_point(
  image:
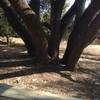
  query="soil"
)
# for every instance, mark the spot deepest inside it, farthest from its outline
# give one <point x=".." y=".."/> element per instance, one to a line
<point x="83" y="83"/>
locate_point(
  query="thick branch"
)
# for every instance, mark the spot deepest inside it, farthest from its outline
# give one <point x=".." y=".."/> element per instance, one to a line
<point x="20" y="29"/>
<point x="56" y="11"/>
<point x="76" y="11"/>
<point x="32" y="22"/>
<point x="84" y="31"/>
<point x="93" y="29"/>
<point x="79" y="10"/>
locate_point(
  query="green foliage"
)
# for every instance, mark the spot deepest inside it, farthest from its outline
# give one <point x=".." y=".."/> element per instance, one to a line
<point x="45" y="10"/>
<point x="5" y="28"/>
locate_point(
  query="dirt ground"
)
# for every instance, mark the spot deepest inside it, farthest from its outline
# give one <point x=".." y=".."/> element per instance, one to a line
<point x="83" y="83"/>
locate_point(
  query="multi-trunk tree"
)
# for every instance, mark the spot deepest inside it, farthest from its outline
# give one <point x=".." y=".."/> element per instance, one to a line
<point x="25" y="20"/>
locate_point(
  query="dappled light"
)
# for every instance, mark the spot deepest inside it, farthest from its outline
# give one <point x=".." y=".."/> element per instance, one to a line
<point x="51" y="46"/>
<point x="23" y="73"/>
<point x="14" y="51"/>
<point x="76" y="84"/>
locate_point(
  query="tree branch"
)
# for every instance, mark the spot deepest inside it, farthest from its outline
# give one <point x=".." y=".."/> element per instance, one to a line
<point x="55" y="19"/>
<point x="68" y="18"/>
<point x="79" y="10"/>
<point x="84" y="31"/>
<point x="32" y="22"/>
<point x="76" y="11"/>
<point x="35" y="5"/>
<point x="18" y="27"/>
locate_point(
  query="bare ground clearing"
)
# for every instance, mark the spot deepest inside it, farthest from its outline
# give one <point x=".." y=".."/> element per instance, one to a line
<point x="83" y="83"/>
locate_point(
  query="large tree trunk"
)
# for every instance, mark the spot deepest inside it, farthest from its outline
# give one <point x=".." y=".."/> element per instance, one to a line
<point x="32" y="23"/>
<point x="56" y="11"/>
<point x="18" y="27"/>
<point x="84" y="31"/>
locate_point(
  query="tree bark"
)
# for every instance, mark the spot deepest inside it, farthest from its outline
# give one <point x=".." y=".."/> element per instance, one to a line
<point x="35" y="5"/>
<point x="76" y="11"/>
<point x="56" y="11"/>
<point x="67" y="18"/>
<point x="79" y="10"/>
<point x="18" y="27"/>
<point x="81" y="35"/>
<point x="32" y="23"/>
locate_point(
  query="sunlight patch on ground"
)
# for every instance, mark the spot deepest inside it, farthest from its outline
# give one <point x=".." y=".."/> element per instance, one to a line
<point x="92" y="50"/>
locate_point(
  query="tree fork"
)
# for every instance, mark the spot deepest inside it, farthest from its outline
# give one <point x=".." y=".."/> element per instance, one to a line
<point x="81" y="35"/>
<point x="67" y="18"/>
<point x="53" y="44"/>
<point x="32" y="22"/>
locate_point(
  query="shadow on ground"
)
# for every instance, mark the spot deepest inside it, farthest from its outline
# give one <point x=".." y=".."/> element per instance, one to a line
<point x="84" y="83"/>
<point x="12" y="52"/>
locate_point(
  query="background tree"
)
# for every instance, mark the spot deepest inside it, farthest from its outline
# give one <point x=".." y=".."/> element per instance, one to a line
<point x="26" y="21"/>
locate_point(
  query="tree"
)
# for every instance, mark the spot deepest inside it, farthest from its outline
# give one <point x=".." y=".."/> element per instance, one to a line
<point x="25" y="20"/>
